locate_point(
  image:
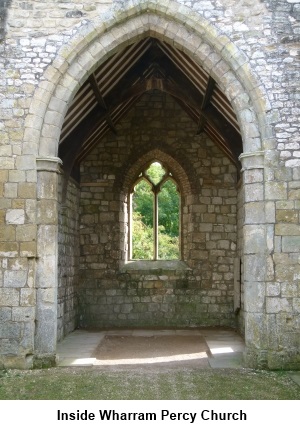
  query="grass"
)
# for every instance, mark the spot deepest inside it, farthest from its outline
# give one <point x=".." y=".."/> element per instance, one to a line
<point x="94" y="384"/>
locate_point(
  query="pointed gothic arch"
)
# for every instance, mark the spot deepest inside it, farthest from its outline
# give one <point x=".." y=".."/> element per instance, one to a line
<point x="93" y="43"/>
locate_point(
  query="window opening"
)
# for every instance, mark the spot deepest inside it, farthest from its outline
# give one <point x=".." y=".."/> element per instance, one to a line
<point x="155" y="215"/>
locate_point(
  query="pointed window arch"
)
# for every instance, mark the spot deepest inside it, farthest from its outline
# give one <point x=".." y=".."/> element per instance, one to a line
<point x="154" y="221"/>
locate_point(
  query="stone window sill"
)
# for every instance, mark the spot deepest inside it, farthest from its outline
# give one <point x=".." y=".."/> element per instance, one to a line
<point x="155" y="267"/>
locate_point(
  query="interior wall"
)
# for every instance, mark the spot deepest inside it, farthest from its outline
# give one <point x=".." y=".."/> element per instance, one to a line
<point x="200" y="293"/>
<point x="68" y="259"/>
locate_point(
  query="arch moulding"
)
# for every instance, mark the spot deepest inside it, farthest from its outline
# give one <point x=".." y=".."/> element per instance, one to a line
<point x="93" y="43"/>
<point x="176" y="24"/>
<point x="126" y="178"/>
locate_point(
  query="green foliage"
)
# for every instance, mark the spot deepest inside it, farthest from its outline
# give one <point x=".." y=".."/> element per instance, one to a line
<point x="156" y="172"/>
<point x="168" y="246"/>
<point x="142" y="242"/>
<point x="168" y="209"/>
<point x="142" y="202"/>
<point x="142" y="239"/>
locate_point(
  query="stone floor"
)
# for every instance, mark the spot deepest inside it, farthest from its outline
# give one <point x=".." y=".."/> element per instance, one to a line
<point x="218" y="348"/>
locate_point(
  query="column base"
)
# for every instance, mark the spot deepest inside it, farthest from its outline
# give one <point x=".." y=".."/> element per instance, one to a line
<point x="272" y="360"/>
<point x="44" y="361"/>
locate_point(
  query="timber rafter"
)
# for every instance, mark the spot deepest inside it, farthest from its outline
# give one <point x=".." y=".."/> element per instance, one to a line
<point x="152" y="70"/>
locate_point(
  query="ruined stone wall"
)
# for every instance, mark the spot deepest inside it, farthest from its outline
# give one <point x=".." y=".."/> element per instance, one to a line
<point x="264" y="53"/>
<point x="202" y="292"/>
<point x="68" y="259"/>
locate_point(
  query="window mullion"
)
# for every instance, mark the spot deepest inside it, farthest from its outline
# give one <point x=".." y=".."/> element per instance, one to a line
<point x="155" y="227"/>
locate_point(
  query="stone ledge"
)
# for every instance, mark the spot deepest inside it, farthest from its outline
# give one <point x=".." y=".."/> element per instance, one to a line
<point x="155" y="266"/>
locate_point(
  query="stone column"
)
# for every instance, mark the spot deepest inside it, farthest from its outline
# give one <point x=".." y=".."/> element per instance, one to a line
<point x="255" y="259"/>
<point x="46" y="269"/>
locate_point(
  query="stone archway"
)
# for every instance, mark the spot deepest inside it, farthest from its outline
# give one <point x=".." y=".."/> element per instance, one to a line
<point x="89" y="48"/>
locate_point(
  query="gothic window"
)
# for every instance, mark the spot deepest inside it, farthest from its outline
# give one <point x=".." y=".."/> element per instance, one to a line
<point x="154" y="215"/>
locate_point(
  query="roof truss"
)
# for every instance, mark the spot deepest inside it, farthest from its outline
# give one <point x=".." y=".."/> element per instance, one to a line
<point x="112" y="90"/>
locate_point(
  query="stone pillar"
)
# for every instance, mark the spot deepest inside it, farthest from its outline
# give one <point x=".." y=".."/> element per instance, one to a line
<point x="255" y="259"/>
<point x="46" y="269"/>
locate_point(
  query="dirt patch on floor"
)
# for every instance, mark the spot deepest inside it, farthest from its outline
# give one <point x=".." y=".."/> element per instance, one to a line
<point x="168" y="350"/>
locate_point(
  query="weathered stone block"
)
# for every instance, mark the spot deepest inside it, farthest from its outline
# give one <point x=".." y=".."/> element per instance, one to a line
<point x="27" y="341"/>
<point x="9" y="297"/>
<point x="25" y="162"/>
<point x="254" y="238"/>
<point x="7" y="163"/>
<point x="255" y="268"/>
<point x="23" y="314"/>
<point x="273" y="289"/>
<point x="254" y="296"/>
<point x="47" y="212"/>
<point x="255" y="213"/>
<point x="270" y="212"/>
<point x="47" y="185"/>
<point x="9" y="249"/>
<point x="26" y="233"/>
<point x="275" y="305"/>
<point x="286" y="272"/>
<point x="27" y="190"/>
<point x="253" y="176"/>
<point x="291" y="244"/>
<point x="287" y="216"/>
<point x="10" y="330"/>
<point x="15" y="278"/>
<point x="276" y="190"/>
<point x="287" y="229"/>
<point x="47" y="295"/>
<point x="15" y="216"/>
<point x="273" y="331"/>
<point x="289" y="290"/>
<point x="253" y="192"/>
<point x="256" y="335"/>
<point x="294" y="194"/>
<point x="27" y="297"/>
<point x="296" y="304"/>
<point x="46" y="271"/>
<point x="28" y="249"/>
<point x="45" y="338"/>
<point x="47" y="237"/>
<point x="10" y="190"/>
<point x="5" y="314"/>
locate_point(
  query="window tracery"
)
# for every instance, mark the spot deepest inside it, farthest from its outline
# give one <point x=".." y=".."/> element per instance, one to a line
<point x="154" y="215"/>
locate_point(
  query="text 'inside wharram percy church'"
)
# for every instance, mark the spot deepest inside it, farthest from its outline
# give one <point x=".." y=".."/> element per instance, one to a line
<point x="165" y="415"/>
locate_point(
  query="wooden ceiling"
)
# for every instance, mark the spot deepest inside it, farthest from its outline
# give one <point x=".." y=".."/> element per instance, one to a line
<point x="112" y="90"/>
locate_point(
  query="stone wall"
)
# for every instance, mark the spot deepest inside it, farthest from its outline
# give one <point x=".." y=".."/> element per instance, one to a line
<point x="201" y="293"/>
<point x="68" y="260"/>
<point x="239" y="302"/>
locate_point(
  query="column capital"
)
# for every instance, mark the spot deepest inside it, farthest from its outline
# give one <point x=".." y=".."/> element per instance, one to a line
<point x="48" y="164"/>
<point x="252" y="160"/>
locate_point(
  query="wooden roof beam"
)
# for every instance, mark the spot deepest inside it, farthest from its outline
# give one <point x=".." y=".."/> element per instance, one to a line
<point x="206" y="100"/>
<point x="94" y="84"/>
<point x="209" y="113"/>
